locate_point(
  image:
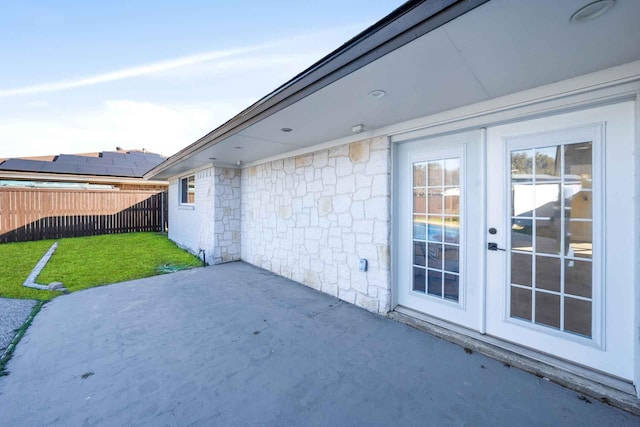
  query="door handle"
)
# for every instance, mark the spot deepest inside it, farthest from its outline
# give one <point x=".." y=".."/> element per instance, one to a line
<point x="494" y="247"/>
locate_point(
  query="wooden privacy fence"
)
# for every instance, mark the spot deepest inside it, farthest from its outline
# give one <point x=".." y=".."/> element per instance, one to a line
<point x="38" y="213"/>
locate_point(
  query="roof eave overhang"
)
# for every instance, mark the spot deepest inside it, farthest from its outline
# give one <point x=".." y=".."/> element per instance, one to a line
<point x="408" y="22"/>
<point x="38" y="176"/>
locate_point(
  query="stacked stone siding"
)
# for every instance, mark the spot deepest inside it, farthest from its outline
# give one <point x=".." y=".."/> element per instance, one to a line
<point x="311" y="218"/>
<point x="226" y="242"/>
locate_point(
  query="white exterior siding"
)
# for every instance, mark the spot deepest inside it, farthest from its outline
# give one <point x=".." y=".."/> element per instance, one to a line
<point x="212" y="223"/>
<point x="311" y="218"/>
<point x="191" y="226"/>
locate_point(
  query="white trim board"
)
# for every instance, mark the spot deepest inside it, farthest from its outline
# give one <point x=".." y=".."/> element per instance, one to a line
<point x="190" y="172"/>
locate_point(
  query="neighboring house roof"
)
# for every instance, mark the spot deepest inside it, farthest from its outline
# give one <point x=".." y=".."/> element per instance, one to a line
<point x="125" y="164"/>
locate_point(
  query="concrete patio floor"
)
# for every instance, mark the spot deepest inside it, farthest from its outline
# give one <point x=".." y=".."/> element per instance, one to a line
<point x="236" y="345"/>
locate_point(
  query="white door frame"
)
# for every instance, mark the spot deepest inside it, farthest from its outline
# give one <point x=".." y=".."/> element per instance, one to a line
<point x="468" y="146"/>
<point x="612" y="337"/>
<point x="576" y="94"/>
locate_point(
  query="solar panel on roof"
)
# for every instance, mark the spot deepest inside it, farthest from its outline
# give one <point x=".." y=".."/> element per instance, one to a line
<point x="55" y="167"/>
<point x="99" y="161"/>
<point x="153" y="157"/>
<point x="118" y="171"/>
<point x="125" y="163"/>
<point x="70" y="158"/>
<point x="113" y="155"/>
<point x="140" y="171"/>
<point x="92" y="169"/>
<point x="134" y="164"/>
<point x="22" y="165"/>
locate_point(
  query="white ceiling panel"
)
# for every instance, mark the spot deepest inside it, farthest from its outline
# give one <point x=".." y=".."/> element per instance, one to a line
<point x="513" y="45"/>
<point x="413" y="77"/>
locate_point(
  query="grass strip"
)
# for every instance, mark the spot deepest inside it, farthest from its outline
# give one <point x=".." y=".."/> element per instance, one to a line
<point x="23" y="329"/>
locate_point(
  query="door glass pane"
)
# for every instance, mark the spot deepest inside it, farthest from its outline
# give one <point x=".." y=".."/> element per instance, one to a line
<point x="578" y="201"/>
<point x="577" y="278"/>
<point x="451" y="258"/>
<point x="420" y="200"/>
<point x="521" y="303"/>
<point x="419" y="253"/>
<point x="548" y="309"/>
<point x="521" y="235"/>
<point x="521" y="267"/>
<point x="419" y="174"/>
<point x="435" y="200"/>
<point x="435" y="229"/>
<point x="436" y="173"/>
<point x="436" y="220"/>
<point x="522" y="165"/>
<point x="577" y="316"/>
<point x="547" y="201"/>
<point x="435" y="256"/>
<point x="452" y="201"/>
<point x="579" y="239"/>
<point x="551" y="208"/>
<point x="548" y="273"/>
<point x="522" y="199"/>
<point x="434" y="283"/>
<point x="548" y="163"/>
<point x="451" y="286"/>
<point x="548" y="234"/>
<point x="420" y="227"/>
<point x="452" y="172"/>
<point x="419" y="279"/>
<point x="578" y="163"/>
<point x="452" y="229"/>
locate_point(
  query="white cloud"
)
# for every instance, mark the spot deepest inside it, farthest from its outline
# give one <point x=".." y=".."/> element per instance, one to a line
<point x="129" y="124"/>
<point x="125" y="73"/>
<point x="321" y="41"/>
<point x="163" y="127"/>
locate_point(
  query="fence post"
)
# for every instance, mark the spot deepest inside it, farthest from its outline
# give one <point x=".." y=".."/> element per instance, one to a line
<point x="162" y="210"/>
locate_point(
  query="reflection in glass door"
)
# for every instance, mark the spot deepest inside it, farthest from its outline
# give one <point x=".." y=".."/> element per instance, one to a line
<point x="551" y="237"/>
<point x="436" y="228"/>
<point x="439" y="227"/>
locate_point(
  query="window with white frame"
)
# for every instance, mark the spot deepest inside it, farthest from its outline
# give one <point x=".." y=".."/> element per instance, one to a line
<point x="188" y="190"/>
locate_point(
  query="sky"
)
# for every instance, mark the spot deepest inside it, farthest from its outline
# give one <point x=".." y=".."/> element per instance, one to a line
<point x="83" y="76"/>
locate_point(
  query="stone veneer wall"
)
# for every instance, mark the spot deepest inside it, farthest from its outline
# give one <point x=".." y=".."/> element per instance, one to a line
<point x="226" y="213"/>
<point x="311" y="218"/>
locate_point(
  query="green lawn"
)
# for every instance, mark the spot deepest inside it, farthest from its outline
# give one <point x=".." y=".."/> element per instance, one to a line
<point x="85" y="262"/>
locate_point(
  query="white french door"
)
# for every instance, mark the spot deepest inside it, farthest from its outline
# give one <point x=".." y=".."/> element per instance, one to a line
<point x="440" y="227"/>
<point x="560" y="220"/>
<point x="543" y="211"/>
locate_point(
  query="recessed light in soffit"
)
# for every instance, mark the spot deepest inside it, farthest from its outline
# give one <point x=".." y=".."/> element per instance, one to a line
<point x="377" y="94"/>
<point x="592" y="11"/>
<point x="286" y="129"/>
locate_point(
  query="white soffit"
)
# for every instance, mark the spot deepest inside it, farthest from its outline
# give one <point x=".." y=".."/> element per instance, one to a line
<point x="512" y="45"/>
<point x="501" y="47"/>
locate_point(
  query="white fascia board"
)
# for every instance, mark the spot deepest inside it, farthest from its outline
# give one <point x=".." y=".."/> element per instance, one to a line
<point x="190" y="172"/>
